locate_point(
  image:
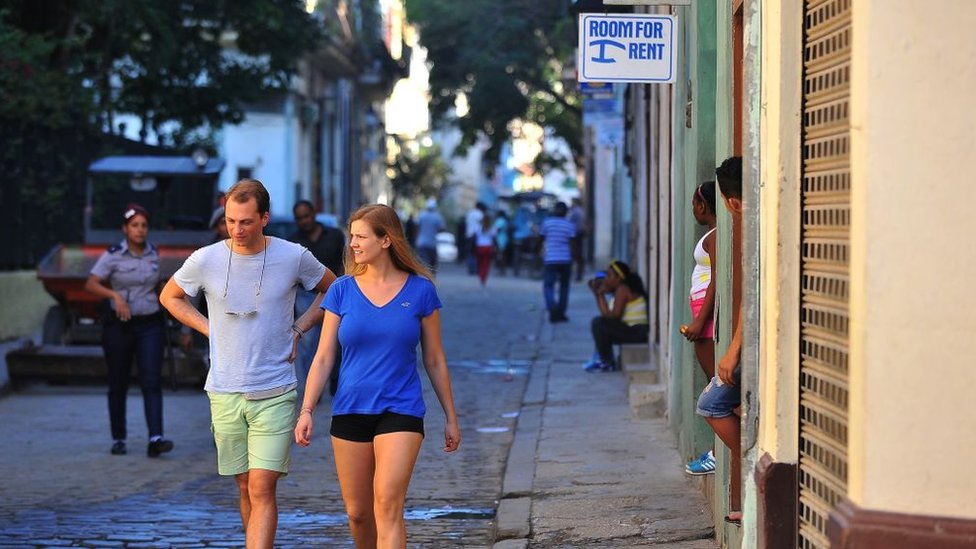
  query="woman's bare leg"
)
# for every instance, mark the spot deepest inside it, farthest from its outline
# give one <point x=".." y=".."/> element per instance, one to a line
<point x="396" y="454"/>
<point x="356" y="466"/>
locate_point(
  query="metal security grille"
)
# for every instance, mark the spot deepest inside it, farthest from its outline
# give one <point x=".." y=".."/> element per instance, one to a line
<point x="825" y="249"/>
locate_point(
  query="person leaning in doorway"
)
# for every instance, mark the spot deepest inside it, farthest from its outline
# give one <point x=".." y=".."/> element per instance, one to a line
<point x="132" y="327"/>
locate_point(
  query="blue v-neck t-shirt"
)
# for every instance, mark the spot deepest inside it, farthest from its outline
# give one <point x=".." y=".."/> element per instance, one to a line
<point x="379" y="347"/>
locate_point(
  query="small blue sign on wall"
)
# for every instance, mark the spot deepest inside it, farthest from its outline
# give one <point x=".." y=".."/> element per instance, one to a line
<point x="627" y="48"/>
<point x="596" y="90"/>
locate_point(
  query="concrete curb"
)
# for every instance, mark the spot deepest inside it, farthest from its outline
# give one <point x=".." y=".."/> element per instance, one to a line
<point x="513" y="520"/>
<point x="520" y="467"/>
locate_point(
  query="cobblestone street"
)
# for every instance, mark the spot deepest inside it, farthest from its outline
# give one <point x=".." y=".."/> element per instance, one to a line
<point x="60" y="486"/>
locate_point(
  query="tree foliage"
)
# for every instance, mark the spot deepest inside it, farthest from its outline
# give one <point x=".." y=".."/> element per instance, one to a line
<point x="507" y="57"/>
<point x="177" y="66"/>
<point x="418" y="174"/>
<point x="69" y="68"/>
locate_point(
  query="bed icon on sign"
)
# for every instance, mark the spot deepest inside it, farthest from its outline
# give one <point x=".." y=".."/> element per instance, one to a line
<point x="603" y="43"/>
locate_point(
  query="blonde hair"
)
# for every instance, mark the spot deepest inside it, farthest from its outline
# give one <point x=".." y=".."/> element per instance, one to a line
<point x="383" y="220"/>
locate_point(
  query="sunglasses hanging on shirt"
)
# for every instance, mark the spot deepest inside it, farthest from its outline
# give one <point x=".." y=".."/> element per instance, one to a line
<point x="242" y="306"/>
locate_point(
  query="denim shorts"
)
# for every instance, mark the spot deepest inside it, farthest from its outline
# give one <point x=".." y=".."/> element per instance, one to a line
<point x="719" y="399"/>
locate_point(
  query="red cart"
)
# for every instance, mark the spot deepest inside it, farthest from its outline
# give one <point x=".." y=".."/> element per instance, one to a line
<point x="180" y="193"/>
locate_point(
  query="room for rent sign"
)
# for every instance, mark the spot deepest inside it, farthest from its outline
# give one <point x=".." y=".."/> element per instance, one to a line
<point x="626" y="48"/>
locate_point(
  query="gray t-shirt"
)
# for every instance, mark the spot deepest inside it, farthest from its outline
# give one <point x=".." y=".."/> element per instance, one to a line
<point x="250" y="314"/>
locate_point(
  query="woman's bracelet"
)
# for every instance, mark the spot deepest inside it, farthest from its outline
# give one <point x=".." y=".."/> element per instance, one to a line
<point x="305" y="411"/>
<point x="297" y="330"/>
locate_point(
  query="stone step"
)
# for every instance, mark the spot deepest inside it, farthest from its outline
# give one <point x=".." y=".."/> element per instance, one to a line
<point x="648" y="400"/>
<point x="634" y="353"/>
<point x="641" y="372"/>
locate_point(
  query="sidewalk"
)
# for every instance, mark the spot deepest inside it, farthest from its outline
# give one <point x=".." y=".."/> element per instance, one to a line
<point x="582" y="472"/>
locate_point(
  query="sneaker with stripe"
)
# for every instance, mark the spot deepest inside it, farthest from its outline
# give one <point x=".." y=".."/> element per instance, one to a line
<point x="703" y="465"/>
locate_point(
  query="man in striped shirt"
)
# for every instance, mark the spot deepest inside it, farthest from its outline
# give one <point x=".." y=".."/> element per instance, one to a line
<point x="558" y="234"/>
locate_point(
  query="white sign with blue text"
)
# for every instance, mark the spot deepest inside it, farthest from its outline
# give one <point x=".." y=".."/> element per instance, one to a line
<point x="627" y="48"/>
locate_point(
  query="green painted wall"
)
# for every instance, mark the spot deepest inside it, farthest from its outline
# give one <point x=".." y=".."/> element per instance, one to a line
<point x="706" y="50"/>
<point x="730" y="536"/>
<point x="694" y="162"/>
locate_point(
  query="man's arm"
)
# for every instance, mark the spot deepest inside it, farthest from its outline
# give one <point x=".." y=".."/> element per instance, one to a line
<point x="313" y="315"/>
<point x="175" y="300"/>
<point x="730" y="360"/>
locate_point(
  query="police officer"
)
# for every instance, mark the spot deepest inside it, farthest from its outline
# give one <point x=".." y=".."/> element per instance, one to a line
<point x="133" y="327"/>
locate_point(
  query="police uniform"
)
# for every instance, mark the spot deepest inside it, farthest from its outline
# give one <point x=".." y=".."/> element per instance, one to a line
<point x="135" y="278"/>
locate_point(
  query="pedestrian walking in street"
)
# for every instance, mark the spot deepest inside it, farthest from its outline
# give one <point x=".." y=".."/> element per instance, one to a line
<point x="132" y="326"/>
<point x="249" y="282"/>
<point x="328" y="245"/>
<point x="484" y="246"/>
<point x="702" y="301"/>
<point x="379" y="312"/>
<point x="503" y="241"/>
<point x="472" y="220"/>
<point x="720" y="398"/>
<point x="558" y="235"/>
<point x="577" y="216"/>
<point x="429" y="223"/>
<point x="625" y="321"/>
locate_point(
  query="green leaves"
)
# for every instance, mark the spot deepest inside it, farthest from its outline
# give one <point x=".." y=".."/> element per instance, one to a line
<point x="506" y="56"/>
<point x="418" y="174"/>
<point x="175" y="65"/>
<point x="69" y="69"/>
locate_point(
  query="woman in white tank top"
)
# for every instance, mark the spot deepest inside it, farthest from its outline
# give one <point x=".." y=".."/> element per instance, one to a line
<point x="702" y="294"/>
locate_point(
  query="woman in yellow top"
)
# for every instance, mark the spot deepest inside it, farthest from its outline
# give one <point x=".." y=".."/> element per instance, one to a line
<point x="625" y="321"/>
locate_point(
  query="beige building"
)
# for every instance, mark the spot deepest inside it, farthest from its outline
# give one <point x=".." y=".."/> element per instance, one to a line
<point x="861" y="253"/>
<point x="856" y="122"/>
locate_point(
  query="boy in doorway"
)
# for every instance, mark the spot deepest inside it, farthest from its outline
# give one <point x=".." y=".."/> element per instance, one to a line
<point x="720" y="398"/>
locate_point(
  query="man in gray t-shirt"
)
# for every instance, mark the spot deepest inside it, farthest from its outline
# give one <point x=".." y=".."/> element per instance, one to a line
<point x="249" y="282"/>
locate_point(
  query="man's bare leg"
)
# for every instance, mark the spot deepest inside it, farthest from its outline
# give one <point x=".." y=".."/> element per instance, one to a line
<point x="729" y="430"/>
<point x="263" y="520"/>
<point x="245" y="503"/>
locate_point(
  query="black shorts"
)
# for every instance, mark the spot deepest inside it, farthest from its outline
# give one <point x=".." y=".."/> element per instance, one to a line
<point x="364" y="427"/>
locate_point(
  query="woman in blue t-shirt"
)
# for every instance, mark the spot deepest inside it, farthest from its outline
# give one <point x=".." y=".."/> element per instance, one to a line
<point x="378" y="312"/>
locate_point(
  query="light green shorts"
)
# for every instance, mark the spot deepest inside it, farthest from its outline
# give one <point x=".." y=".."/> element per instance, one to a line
<point x="252" y="434"/>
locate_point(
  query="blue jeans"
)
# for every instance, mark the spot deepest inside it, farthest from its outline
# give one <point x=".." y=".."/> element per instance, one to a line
<point x="551" y="273"/>
<point x="309" y="344"/>
<point x="142" y="337"/>
<point x="428" y="254"/>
